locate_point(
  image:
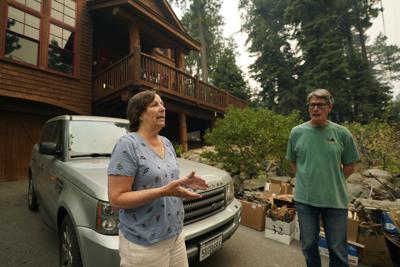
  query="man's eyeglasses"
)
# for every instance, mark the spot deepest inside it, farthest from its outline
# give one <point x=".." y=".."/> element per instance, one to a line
<point x="316" y="105"/>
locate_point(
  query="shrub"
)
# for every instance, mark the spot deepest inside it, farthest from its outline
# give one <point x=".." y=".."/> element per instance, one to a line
<point x="378" y="144"/>
<point x="246" y="140"/>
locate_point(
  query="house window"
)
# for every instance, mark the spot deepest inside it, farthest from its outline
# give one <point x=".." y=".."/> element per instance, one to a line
<point x="64" y="11"/>
<point x="22" y="36"/>
<point x="26" y="42"/>
<point x="62" y="35"/>
<point x="61" y="49"/>
<point x="34" y="4"/>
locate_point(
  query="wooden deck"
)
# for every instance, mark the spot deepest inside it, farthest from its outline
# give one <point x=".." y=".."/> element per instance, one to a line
<point x="150" y="72"/>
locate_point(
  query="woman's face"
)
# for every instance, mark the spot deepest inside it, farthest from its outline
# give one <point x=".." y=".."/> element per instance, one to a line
<point x="154" y="115"/>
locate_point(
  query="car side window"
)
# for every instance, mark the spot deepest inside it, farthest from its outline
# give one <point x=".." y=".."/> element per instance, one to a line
<point x="48" y="133"/>
<point x="53" y="132"/>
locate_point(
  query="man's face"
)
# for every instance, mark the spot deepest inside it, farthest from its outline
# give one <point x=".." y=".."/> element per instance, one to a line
<point x="318" y="108"/>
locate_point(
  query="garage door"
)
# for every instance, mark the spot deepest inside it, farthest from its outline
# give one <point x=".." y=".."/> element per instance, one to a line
<point x="18" y="133"/>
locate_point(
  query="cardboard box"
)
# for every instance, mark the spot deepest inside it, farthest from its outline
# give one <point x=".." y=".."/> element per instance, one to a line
<point x="352" y="227"/>
<point x="280" y="227"/>
<point x="282" y="238"/>
<point x="352" y="230"/>
<point x="270" y="191"/>
<point x="296" y="228"/>
<point x="276" y="190"/>
<point x="376" y="251"/>
<point x="253" y="215"/>
<point x="352" y="251"/>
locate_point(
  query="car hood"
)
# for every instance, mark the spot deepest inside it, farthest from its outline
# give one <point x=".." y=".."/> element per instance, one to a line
<point x="91" y="174"/>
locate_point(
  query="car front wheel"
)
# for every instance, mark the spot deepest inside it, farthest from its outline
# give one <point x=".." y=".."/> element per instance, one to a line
<point x="70" y="255"/>
<point x="32" y="197"/>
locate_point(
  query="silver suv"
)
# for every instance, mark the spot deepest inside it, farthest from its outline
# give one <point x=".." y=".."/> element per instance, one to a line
<point x="68" y="184"/>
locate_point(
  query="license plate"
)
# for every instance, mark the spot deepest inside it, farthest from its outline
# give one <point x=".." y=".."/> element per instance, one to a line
<point x="209" y="247"/>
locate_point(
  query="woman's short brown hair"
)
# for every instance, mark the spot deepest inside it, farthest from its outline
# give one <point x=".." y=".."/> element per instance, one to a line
<point x="137" y="104"/>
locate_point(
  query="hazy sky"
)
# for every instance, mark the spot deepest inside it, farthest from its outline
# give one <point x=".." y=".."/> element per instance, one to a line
<point x="230" y="12"/>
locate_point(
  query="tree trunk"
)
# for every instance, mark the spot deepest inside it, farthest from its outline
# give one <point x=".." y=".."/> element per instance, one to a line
<point x="203" y="50"/>
<point x="360" y="32"/>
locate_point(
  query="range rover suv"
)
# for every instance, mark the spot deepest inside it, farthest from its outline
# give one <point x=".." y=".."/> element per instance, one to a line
<point x="68" y="185"/>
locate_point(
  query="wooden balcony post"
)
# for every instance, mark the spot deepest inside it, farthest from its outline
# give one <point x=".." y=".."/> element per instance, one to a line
<point x="134" y="39"/>
<point x="196" y="86"/>
<point x="226" y="100"/>
<point x="180" y="59"/>
<point x="183" y="139"/>
<point x="180" y="64"/>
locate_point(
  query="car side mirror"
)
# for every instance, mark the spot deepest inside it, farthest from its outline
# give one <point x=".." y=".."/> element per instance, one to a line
<point x="48" y="148"/>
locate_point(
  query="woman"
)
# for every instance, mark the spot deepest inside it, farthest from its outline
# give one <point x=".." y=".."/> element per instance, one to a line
<point x="144" y="183"/>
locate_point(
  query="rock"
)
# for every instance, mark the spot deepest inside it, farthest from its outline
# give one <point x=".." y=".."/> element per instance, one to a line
<point x="355" y="178"/>
<point x="373" y="182"/>
<point x="280" y="178"/>
<point x="355" y="190"/>
<point x="253" y="184"/>
<point x="381" y="174"/>
<point x="262" y="177"/>
<point x="195" y="154"/>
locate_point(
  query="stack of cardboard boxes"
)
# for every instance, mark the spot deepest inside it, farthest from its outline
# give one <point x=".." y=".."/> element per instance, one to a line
<point x="352" y="238"/>
<point x="280" y="224"/>
<point x="277" y="196"/>
<point x="254" y="214"/>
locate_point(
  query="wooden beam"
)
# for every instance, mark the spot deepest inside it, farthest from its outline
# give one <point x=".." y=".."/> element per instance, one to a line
<point x="380" y="204"/>
<point x="183" y="138"/>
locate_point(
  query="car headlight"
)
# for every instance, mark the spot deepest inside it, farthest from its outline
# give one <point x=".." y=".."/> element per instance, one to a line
<point x="106" y="219"/>
<point x="230" y="193"/>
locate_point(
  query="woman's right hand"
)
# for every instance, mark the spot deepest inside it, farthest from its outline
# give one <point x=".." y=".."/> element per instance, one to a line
<point x="175" y="188"/>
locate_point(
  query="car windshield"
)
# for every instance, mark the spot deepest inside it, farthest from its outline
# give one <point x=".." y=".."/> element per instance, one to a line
<point x="94" y="138"/>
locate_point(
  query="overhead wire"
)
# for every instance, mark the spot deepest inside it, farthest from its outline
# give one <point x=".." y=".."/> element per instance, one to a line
<point x="384" y="33"/>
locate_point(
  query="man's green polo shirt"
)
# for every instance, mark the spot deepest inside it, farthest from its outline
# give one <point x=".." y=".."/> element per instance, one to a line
<point x="319" y="154"/>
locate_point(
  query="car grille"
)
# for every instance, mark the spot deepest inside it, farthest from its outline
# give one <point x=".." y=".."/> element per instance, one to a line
<point x="211" y="202"/>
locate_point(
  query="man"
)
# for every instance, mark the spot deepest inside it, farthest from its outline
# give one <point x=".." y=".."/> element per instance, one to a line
<point x="322" y="155"/>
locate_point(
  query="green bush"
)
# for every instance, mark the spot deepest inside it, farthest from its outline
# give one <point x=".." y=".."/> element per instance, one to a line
<point x="378" y="144"/>
<point x="247" y="140"/>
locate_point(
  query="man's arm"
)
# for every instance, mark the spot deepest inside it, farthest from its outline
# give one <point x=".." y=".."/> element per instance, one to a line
<point x="293" y="168"/>
<point x="348" y="169"/>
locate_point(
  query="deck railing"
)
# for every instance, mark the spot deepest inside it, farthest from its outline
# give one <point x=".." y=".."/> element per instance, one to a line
<point x="114" y="77"/>
<point x="168" y="79"/>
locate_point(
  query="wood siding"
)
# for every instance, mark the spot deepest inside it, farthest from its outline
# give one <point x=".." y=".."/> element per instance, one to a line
<point x="41" y="85"/>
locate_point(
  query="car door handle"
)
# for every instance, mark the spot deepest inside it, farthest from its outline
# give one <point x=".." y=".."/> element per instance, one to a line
<point x="59" y="185"/>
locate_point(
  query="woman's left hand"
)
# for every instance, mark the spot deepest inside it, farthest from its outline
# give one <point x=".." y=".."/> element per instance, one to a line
<point x="194" y="182"/>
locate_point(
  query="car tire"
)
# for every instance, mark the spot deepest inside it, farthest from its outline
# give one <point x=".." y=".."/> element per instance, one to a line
<point x="32" y="196"/>
<point x="69" y="252"/>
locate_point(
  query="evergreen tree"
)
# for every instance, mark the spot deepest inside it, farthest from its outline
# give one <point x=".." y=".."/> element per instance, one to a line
<point x="228" y="76"/>
<point x="385" y="59"/>
<point x="203" y="22"/>
<point x="275" y="67"/>
<point x="327" y="54"/>
<point x="216" y="62"/>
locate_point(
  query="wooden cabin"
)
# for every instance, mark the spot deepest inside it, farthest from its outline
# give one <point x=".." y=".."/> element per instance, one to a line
<point x="88" y="57"/>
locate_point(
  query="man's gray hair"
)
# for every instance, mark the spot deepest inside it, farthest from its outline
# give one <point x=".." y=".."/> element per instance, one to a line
<point x="321" y="93"/>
